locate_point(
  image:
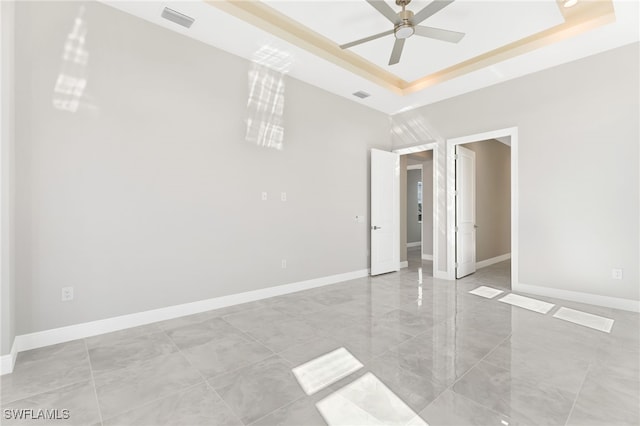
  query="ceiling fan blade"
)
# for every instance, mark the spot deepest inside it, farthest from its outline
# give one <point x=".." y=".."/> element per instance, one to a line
<point x="397" y="51"/>
<point x="429" y="10"/>
<point x="439" y="34"/>
<point x="366" y="39"/>
<point x="382" y="7"/>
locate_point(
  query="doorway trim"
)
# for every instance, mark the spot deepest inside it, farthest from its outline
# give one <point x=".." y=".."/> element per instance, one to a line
<point x="416" y="167"/>
<point x="501" y="135"/>
<point x="431" y="146"/>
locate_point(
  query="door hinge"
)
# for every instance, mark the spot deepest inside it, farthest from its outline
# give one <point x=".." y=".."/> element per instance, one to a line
<point x="455" y="156"/>
<point x="455" y="229"/>
<point x="455" y="264"/>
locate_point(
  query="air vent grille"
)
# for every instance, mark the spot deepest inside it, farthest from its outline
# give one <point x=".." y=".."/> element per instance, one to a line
<point x="177" y="17"/>
<point x="360" y="94"/>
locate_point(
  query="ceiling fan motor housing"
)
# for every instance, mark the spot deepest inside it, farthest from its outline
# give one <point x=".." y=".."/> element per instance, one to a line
<point x="405" y="28"/>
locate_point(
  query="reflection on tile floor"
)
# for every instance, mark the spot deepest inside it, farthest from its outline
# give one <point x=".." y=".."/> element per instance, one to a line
<point x="486" y="292"/>
<point x="367" y="401"/>
<point x="325" y="370"/>
<point x="444" y="356"/>
<point x="527" y="303"/>
<point x="586" y="319"/>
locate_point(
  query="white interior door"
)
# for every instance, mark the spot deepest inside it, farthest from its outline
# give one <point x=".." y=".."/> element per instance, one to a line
<point x="385" y="212"/>
<point x="465" y="211"/>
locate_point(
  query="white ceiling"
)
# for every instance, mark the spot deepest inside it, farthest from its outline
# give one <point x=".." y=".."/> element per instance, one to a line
<point x="487" y="24"/>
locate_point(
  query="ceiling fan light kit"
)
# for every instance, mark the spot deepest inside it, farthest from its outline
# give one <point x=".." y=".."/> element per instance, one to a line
<point x="405" y="24"/>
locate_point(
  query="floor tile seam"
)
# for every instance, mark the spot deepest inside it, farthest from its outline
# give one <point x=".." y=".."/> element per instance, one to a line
<point x="137" y="407"/>
<point x="235" y="370"/>
<point x="273" y="411"/>
<point x="147" y="333"/>
<point x="279" y="408"/>
<point x="93" y="381"/>
<point x="166" y="330"/>
<point x="185" y="357"/>
<point x="450" y="387"/>
<point x="531" y="382"/>
<point x="246" y="332"/>
<point x="224" y="402"/>
<point x="48" y="358"/>
<point x="246" y="335"/>
<point x="204" y="380"/>
<point x="136" y="363"/>
<point x="575" y="400"/>
<point x="178" y="352"/>
<point x="120" y="340"/>
<point x="472" y="401"/>
<point x="31" y="395"/>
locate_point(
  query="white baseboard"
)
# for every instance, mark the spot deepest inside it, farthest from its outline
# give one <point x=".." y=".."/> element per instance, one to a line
<point x="576" y="296"/>
<point x="442" y="275"/>
<point x="416" y="244"/>
<point x="404" y="264"/>
<point x="493" y="260"/>
<point x="9" y="360"/>
<point x="79" y="331"/>
<point x="427" y="256"/>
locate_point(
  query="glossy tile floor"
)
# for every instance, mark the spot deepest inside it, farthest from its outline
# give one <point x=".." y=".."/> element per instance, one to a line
<point x="439" y="356"/>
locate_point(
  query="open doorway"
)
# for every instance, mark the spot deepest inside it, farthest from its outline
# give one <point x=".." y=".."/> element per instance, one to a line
<point x="418" y="217"/>
<point x="482" y="186"/>
<point x="418" y="210"/>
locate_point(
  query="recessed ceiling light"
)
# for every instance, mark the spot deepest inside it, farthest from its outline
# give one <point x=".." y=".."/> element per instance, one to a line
<point x="360" y="94"/>
<point x="570" y="3"/>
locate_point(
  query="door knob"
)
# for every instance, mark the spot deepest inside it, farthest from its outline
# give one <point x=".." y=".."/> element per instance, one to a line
<point x="376" y="227"/>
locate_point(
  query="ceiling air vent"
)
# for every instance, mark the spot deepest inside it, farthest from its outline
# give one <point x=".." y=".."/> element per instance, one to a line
<point x="177" y="17"/>
<point x="360" y="94"/>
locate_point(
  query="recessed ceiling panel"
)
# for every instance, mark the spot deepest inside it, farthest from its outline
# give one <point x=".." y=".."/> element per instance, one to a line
<point x="488" y="25"/>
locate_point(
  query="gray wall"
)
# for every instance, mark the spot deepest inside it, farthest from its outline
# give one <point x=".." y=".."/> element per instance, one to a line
<point x="578" y="167"/>
<point x="7" y="235"/>
<point x="493" y="198"/>
<point x="149" y="196"/>
<point x="413" y="226"/>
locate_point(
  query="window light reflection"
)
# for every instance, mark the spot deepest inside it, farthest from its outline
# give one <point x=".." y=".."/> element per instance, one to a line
<point x="367" y="401"/>
<point x="71" y="82"/>
<point x="325" y="370"/>
<point x="265" y="107"/>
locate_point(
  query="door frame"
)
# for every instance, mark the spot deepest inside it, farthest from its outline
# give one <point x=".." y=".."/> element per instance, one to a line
<point x="418" y="167"/>
<point x="511" y="132"/>
<point x="431" y="146"/>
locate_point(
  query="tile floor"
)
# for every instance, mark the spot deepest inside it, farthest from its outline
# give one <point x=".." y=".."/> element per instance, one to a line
<point x="446" y="358"/>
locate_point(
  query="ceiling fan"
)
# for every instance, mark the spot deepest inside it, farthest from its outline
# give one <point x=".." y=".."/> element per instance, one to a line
<point x="405" y="24"/>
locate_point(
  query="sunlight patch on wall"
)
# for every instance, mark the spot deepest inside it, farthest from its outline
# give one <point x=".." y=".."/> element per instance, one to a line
<point x="410" y="128"/>
<point x="71" y="82"/>
<point x="265" y="107"/>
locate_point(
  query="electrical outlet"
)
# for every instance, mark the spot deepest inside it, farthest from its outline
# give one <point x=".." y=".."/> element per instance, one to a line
<point x="616" y="273"/>
<point x="264" y="196"/>
<point x="283" y="196"/>
<point x="284" y="263"/>
<point x="67" y="294"/>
